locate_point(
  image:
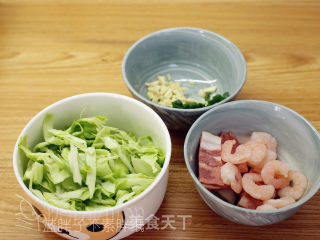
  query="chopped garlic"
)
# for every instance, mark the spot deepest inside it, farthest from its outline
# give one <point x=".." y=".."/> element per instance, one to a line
<point x="165" y="92"/>
<point x="202" y="92"/>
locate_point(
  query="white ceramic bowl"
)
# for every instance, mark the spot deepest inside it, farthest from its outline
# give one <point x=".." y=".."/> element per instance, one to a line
<point x="122" y="112"/>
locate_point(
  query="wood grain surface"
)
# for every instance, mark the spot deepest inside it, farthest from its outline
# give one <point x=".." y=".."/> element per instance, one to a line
<point x="53" y="49"/>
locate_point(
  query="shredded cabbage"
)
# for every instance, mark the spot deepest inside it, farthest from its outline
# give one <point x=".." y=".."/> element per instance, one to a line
<point x="89" y="165"/>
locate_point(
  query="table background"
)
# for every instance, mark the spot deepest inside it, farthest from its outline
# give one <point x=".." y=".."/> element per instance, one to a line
<point x="53" y="49"/>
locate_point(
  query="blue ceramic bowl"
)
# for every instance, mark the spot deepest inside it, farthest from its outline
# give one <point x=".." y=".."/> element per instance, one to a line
<point x="189" y="55"/>
<point x="298" y="144"/>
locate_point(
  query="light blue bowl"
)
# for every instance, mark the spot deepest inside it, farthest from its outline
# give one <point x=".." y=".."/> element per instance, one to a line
<point x="298" y="144"/>
<point x="188" y="55"/>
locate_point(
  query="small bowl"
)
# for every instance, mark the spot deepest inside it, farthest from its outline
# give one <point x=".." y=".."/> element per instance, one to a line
<point x="122" y="112"/>
<point x="298" y="144"/>
<point x="189" y="55"/>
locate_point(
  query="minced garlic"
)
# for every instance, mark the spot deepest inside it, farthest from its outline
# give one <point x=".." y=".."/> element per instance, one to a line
<point x="165" y="92"/>
<point x="204" y="91"/>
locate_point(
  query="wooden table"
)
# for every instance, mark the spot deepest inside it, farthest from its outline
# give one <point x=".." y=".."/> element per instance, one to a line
<point x="53" y="49"/>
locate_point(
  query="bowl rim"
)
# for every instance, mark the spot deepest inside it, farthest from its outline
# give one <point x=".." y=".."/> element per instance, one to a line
<point x="223" y="40"/>
<point x="100" y="212"/>
<point x="297" y="204"/>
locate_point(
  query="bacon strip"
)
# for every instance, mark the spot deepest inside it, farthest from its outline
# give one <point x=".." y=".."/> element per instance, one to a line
<point x="246" y="201"/>
<point x="210" y="144"/>
<point x="228" y="195"/>
<point x="229" y="136"/>
<point x="210" y="161"/>
<point x="210" y="176"/>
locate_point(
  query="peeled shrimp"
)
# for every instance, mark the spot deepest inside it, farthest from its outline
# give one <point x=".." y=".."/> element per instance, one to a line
<point x="276" y="173"/>
<point x="262" y="192"/>
<point x="258" y="153"/>
<point x="241" y="155"/>
<point x="265" y="207"/>
<point x="279" y="203"/>
<point x="270" y="156"/>
<point x="267" y="139"/>
<point x="243" y="167"/>
<point x="231" y="175"/>
<point x="299" y="185"/>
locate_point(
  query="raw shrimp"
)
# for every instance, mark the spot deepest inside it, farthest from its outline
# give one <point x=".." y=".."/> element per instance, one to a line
<point x="265" y="207"/>
<point x="279" y="203"/>
<point x="231" y="175"/>
<point x="243" y="167"/>
<point x="299" y="185"/>
<point x="270" y="156"/>
<point x="267" y="139"/>
<point x="258" y="153"/>
<point x="276" y="173"/>
<point x="241" y="155"/>
<point x="262" y="192"/>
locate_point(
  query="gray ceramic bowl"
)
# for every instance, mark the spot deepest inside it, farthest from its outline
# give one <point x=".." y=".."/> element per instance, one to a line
<point x="298" y="144"/>
<point x="188" y="55"/>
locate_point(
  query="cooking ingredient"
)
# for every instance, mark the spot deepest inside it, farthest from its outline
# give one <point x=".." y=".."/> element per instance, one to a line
<point x="265" y="207"/>
<point x="249" y="171"/>
<point x="243" y="167"/>
<point x="90" y="165"/>
<point x="231" y="175"/>
<point x="276" y="173"/>
<point x="242" y="153"/>
<point x="230" y="136"/>
<point x="246" y="201"/>
<point x="227" y="194"/>
<point x="261" y="192"/>
<point x="217" y="98"/>
<point x="270" y="156"/>
<point x="166" y="92"/>
<point x="267" y="139"/>
<point x="207" y="91"/>
<point x="188" y="105"/>
<point x="258" y="153"/>
<point x="299" y="186"/>
<point x="171" y="94"/>
<point x="280" y="202"/>
<point x="210" y="161"/>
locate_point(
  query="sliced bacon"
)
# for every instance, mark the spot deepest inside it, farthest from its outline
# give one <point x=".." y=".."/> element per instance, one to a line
<point x="210" y="161"/>
<point x="243" y="167"/>
<point x="215" y="187"/>
<point x="211" y="158"/>
<point x="229" y="136"/>
<point x="246" y="201"/>
<point x="211" y="176"/>
<point x="210" y="147"/>
<point x="228" y="195"/>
